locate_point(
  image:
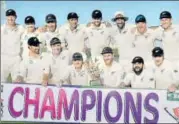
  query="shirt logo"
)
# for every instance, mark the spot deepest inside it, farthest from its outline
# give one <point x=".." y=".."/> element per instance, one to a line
<point x="151" y="79"/>
<point x="175" y="71"/>
<point x="112" y="73"/>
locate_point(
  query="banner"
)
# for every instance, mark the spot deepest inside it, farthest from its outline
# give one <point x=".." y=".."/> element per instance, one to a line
<point x="35" y="103"/>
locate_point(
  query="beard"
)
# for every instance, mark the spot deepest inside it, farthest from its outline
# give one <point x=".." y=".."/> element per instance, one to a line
<point x="137" y="70"/>
<point x="121" y="26"/>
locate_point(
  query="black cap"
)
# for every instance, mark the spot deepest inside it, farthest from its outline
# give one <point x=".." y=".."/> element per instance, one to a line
<point x="140" y="18"/>
<point x="96" y="14"/>
<point x="165" y="14"/>
<point x="157" y="51"/>
<point x="107" y="50"/>
<point x="50" y="18"/>
<point x="11" y="12"/>
<point x="138" y="59"/>
<point x="72" y="15"/>
<point x="33" y="41"/>
<point x="54" y="41"/>
<point x="77" y="56"/>
<point x="29" y="20"/>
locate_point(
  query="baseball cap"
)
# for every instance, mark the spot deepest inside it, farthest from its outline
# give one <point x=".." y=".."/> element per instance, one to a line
<point x="33" y="41"/>
<point x="54" y="41"/>
<point x="29" y="20"/>
<point x="157" y="51"/>
<point x="107" y="50"/>
<point x="96" y="14"/>
<point x="165" y="14"/>
<point x="50" y="18"/>
<point x="77" y="56"/>
<point x="138" y="59"/>
<point x="140" y="18"/>
<point x="11" y="12"/>
<point x="72" y="15"/>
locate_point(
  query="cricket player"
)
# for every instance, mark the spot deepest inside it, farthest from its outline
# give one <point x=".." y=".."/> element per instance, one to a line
<point x="32" y="69"/>
<point x="98" y="36"/>
<point x="57" y="61"/>
<point x="76" y="74"/>
<point x="121" y="26"/>
<point x="123" y="45"/>
<point x="73" y="34"/>
<point x="29" y="32"/>
<point x="142" y="39"/>
<point x="112" y="73"/>
<point x="52" y="31"/>
<point x="163" y="71"/>
<point x="10" y="46"/>
<point x="139" y="77"/>
<point x="168" y="34"/>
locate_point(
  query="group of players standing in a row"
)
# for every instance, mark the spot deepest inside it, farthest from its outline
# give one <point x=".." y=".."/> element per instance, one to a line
<point x="98" y="53"/>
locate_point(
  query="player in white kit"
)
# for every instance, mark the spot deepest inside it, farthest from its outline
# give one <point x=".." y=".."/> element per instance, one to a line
<point x="30" y="31"/>
<point x="10" y="46"/>
<point x="168" y="34"/>
<point x="111" y="73"/>
<point x="52" y="31"/>
<point x="57" y="61"/>
<point x="163" y="70"/>
<point x="139" y="77"/>
<point x="73" y="34"/>
<point x="33" y="70"/>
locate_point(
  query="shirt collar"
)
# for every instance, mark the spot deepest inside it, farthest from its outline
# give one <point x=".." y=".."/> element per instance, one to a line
<point x="146" y="34"/>
<point x="102" y="26"/>
<point x="67" y="27"/>
<point x="14" y="28"/>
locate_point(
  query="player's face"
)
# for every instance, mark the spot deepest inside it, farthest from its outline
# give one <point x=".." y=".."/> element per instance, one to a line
<point x="35" y="49"/>
<point x="97" y="22"/>
<point x="78" y="63"/>
<point x="56" y="49"/>
<point x="73" y="22"/>
<point x="11" y="20"/>
<point x="141" y="27"/>
<point x="158" y="60"/>
<point x="30" y="28"/>
<point x="166" y="23"/>
<point x="108" y="58"/>
<point x="138" y="67"/>
<point x="120" y="23"/>
<point x="51" y="26"/>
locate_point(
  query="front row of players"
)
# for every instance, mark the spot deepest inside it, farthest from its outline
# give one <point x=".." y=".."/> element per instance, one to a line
<point x="56" y="68"/>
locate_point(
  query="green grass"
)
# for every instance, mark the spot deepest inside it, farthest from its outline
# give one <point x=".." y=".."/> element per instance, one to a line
<point x="8" y="122"/>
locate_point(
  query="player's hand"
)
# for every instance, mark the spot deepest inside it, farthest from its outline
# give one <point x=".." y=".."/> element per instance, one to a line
<point x="19" y="79"/>
<point x="172" y="88"/>
<point x="44" y="83"/>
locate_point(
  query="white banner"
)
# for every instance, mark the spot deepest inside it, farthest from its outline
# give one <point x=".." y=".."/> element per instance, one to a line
<point x="35" y="103"/>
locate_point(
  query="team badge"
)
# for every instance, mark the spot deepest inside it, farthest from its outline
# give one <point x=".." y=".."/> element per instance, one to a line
<point x="175" y="71"/>
<point x="151" y="79"/>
